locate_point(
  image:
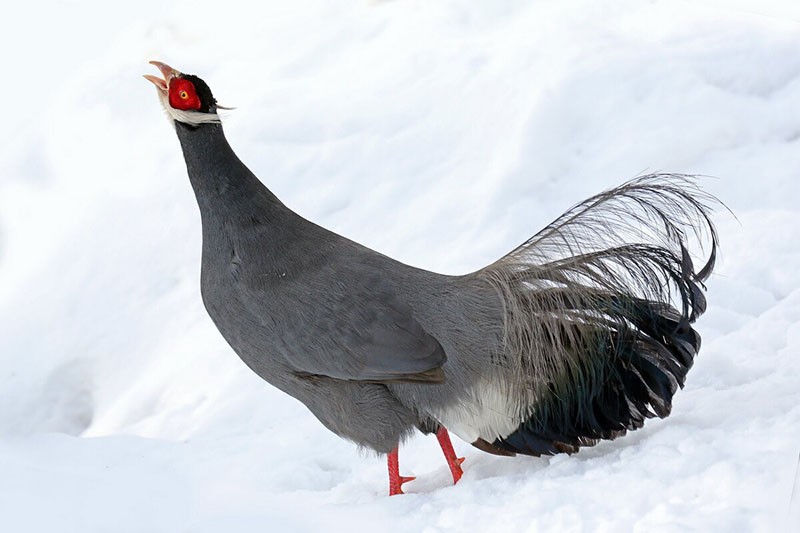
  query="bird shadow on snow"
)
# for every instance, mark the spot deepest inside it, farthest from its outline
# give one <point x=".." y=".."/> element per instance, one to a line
<point x="483" y="467"/>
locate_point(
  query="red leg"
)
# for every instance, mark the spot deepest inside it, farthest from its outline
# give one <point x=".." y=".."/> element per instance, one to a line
<point x="447" y="448"/>
<point x="395" y="479"/>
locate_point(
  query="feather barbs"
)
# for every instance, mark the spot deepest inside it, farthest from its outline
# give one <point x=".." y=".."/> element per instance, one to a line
<point x="597" y="309"/>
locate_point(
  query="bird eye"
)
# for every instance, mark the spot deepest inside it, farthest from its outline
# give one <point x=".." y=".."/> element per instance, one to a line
<point x="184" y="95"/>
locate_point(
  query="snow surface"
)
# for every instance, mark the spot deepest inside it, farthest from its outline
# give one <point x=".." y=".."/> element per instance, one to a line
<point x="441" y="133"/>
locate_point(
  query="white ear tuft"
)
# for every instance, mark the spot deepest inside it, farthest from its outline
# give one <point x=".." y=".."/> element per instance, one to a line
<point x="194" y="118"/>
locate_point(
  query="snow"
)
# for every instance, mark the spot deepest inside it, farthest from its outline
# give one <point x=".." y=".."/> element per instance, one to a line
<point x="440" y="133"/>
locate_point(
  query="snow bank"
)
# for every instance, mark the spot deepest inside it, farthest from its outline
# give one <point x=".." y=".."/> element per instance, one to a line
<point x="442" y="134"/>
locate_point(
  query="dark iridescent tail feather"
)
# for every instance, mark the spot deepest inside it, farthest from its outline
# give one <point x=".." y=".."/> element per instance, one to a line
<point x="601" y="329"/>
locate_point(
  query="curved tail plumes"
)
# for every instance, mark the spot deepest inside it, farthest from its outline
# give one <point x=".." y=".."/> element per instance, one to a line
<point x="598" y="308"/>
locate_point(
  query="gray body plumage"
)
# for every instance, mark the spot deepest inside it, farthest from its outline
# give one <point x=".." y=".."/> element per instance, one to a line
<point x="573" y="337"/>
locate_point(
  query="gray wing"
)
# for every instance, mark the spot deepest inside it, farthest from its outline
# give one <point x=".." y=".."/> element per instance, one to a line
<point x="359" y="331"/>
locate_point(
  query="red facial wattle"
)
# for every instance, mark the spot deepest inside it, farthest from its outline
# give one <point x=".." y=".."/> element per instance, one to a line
<point x="182" y="95"/>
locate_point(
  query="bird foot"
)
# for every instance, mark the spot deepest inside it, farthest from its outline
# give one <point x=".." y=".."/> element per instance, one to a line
<point x="450" y="455"/>
<point x="395" y="479"/>
<point x="396" y="485"/>
<point x="456" y="470"/>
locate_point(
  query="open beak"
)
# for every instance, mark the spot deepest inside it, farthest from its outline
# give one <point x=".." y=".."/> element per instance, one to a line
<point x="167" y="71"/>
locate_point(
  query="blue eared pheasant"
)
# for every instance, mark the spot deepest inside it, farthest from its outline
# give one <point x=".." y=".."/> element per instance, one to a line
<point x="578" y="335"/>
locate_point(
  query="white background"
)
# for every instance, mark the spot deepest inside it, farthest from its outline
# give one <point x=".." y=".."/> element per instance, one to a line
<point x="440" y="133"/>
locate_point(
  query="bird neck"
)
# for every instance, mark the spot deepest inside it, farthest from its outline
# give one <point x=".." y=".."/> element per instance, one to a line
<point x="225" y="188"/>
